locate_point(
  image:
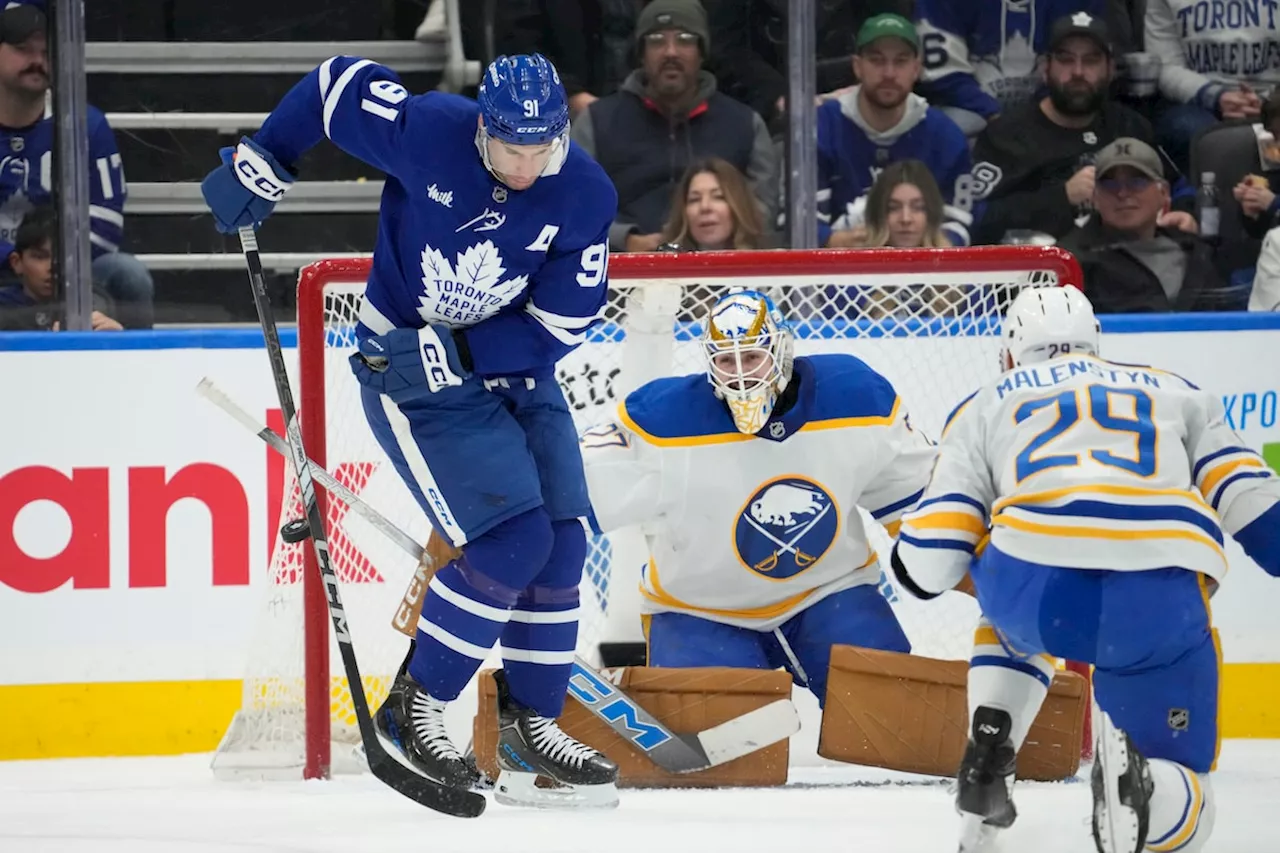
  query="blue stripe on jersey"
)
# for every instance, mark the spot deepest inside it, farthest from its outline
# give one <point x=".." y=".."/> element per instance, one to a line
<point x="1242" y="475"/>
<point x="894" y="507"/>
<point x="1181" y="821"/>
<point x="1217" y="454"/>
<point x="947" y="544"/>
<point x="1010" y="663"/>
<point x="955" y="497"/>
<point x="1129" y="512"/>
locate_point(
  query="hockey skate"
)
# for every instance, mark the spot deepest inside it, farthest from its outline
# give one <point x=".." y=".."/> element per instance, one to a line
<point x="411" y="723"/>
<point x="1121" y="790"/>
<point x="985" y="781"/>
<point x="533" y="750"/>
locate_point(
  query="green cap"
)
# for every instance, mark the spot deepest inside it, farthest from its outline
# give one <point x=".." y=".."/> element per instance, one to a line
<point x="883" y="26"/>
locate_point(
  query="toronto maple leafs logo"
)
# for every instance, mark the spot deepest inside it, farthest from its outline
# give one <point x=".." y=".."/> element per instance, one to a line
<point x="468" y="290"/>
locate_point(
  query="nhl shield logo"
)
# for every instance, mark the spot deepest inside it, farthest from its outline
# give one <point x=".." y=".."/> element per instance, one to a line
<point x="785" y="527"/>
<point x="1179" y="719"/>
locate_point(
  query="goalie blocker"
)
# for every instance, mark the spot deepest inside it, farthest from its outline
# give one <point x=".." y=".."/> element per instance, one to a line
<point x="884" y="709"/>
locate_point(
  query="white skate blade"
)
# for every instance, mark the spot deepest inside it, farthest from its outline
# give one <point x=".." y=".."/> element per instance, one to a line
<point x="521" y="790"/>
<point x="752" y="731"/>
<point x="976" y="836"/>
<point x="1118" y="824"/>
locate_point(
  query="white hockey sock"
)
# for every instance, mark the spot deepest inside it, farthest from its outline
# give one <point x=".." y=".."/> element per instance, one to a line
<point x="1182" y="808"/>
<point x="1000" y="678"/>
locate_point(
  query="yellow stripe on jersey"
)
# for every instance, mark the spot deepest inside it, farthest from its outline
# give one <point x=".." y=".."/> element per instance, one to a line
<point x="892" y="528"/>
<point x="986" y="635"/>
<point x="1100" y="488"/>
<point x="962" y="521"/>
<point x="731" y="437"/>
<point x="865" y="421"/>
<point x="1005" y="520"/>
<point x="1192" y="819"/>
<point x="1211" y="478"/>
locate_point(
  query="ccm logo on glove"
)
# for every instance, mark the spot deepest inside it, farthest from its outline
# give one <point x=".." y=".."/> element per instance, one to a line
<point x="406" y="364"/>
<point x="257" y="175"/>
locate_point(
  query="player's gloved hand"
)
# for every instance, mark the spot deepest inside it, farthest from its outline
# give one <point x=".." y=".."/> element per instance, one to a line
<point x="406" y="364"/>
<point x="244" y="190"/>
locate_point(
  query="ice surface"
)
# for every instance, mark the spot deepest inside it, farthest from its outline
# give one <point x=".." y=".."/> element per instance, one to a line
<point x="173" y="805"/>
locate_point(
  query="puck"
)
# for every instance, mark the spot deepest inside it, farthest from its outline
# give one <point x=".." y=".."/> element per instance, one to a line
<point x="295" y="531"/>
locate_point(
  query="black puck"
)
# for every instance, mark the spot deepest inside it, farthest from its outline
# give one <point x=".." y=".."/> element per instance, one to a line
<point x="295" y="531"/>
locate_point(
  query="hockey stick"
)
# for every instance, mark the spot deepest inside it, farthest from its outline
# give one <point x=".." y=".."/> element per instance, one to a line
<point x="672" y="752"/>
<point x="393" y="773"/>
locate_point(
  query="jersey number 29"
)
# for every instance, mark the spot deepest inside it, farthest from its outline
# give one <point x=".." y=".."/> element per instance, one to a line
<point x="1140" y="426"/>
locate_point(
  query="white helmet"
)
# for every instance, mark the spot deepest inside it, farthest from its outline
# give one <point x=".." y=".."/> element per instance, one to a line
<point x="749" y="349"/>
<point x="1044" y="322"/>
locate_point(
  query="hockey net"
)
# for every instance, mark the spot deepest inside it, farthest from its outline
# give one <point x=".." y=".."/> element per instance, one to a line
<point x="927" y="319"/>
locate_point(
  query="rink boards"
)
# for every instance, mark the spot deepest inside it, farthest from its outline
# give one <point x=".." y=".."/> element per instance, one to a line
<point x="135" y="523"/>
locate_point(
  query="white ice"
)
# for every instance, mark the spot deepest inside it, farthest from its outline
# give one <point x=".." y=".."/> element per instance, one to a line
<point x="173" y="805"/>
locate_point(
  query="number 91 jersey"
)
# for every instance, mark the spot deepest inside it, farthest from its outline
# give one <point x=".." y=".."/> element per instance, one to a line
<point x="1083" y="463"/>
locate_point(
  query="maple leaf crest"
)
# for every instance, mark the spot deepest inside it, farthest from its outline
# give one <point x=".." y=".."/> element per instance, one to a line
<point x="478" y="269"/>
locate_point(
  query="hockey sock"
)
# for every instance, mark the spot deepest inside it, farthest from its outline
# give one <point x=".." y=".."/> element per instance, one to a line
<point x="469" y="601"/>
<point x="1182" y="808"/>
<point x="538" y="643"/>
<point x="1001" y="678"/>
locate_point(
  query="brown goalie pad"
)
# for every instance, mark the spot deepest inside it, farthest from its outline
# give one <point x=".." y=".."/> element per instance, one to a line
<point x="436" y="555"/>
<point x="683" y="700"/>
<point x="910" y="713"/>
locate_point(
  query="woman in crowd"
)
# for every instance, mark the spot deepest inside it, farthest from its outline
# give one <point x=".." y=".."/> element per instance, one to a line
<point x="712" y="208"/>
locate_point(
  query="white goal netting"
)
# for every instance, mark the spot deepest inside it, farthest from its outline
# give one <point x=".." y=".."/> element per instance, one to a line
<point x="927" y="319"/>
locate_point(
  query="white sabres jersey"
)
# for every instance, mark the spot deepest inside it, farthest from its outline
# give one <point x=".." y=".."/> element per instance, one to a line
<point x="749" y="530"/>
<point x="1083" y="463"/>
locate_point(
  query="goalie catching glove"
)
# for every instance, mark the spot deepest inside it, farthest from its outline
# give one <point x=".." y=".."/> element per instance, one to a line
<point x="406" y="364"/>
<point x="244" y="190"/>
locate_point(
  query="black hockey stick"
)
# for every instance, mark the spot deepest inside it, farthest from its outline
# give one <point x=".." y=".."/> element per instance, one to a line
<point x="675" y="753"/>
<point x="387" y="769"/>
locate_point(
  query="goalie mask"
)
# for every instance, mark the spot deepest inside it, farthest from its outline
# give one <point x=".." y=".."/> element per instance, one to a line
<point x="749" y="348"/>
<point x="1046" y="322"/>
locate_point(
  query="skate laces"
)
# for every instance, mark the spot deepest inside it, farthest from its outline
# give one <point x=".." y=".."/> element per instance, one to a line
<point x="549" y="738"/>
<point x="428" y="724"/>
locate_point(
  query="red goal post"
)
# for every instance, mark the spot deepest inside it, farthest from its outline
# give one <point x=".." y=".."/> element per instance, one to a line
<point x="927" y="318"/>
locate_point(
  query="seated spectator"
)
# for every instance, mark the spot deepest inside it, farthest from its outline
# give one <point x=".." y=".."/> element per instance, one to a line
<point x="589" y="41"/>
<point x="667" y="115"/>
<point x="712" y="209"/>
<point x="904" y="210"/>
<point x="879" y="122"/>
<point x="981" y="56"/>
<point x="1131" y="263"/>
<point x="29" y="305"/>
<point x="1265" y="295"/>
<point x="1210" y="63"/>
<point x="26" y="135"/>
<point x="1034" y="164"/>
<point x="751" y="47"/>
<point x="1257" y="194"/>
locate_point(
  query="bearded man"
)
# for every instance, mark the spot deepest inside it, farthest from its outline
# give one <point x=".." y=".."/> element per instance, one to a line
<point x="1034" y="164"/>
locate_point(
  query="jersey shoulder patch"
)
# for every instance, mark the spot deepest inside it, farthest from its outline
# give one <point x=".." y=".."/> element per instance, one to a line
<point x="678" y="410"/>
<point x="847" y="388"/>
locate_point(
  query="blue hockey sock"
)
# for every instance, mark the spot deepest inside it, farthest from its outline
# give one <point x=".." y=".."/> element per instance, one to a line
<point x="469" y="601"/>
<point x="538" y="643"/>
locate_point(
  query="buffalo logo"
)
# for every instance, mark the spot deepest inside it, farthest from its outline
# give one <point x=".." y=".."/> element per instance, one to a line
<point x="786" y="527"/>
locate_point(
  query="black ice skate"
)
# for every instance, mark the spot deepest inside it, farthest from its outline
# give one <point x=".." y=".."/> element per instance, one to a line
<point x="412" y="723"/>
<point x="533" y="748"/>
<point x="985" y="780"/>
<point x="1121" y="790"/>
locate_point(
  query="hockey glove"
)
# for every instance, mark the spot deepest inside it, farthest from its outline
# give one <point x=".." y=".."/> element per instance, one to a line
<point x="406" y="364"/>
<point x="244" y="190"/>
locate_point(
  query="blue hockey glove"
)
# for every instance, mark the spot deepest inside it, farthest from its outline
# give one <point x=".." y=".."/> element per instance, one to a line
<point x="406" y="364"/>
<point x="244" y="190"/>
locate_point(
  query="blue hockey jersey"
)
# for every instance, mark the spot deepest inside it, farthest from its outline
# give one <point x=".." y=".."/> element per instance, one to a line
<point x="980" y="55"/>
<point x="26" y="179"/>
<point x="851" y="156"/>
<point x="524" y="272"/>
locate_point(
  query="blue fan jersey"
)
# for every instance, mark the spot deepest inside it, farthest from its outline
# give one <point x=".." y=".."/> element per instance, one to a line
<point x="26" y="180"/>
<point x="525" y="273"/>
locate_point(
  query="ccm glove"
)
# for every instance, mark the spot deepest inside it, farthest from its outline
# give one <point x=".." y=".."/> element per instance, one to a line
<point x="405" y="364"/>
<point x="244" y="190"/>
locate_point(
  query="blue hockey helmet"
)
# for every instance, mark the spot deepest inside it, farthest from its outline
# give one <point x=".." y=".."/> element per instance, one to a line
<point x="522" y="100"/>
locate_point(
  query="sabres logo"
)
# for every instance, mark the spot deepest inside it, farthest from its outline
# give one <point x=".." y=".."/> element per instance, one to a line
<point x="786" y="527"/>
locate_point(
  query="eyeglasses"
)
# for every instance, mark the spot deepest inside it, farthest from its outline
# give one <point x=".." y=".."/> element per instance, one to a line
<point x="682" y="38"/>
<point x="1132" y="185"/>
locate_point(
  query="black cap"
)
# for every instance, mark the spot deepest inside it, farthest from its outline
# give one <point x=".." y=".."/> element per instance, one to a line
<point x="1080" y="24"/>
<point x="20" y="22"/>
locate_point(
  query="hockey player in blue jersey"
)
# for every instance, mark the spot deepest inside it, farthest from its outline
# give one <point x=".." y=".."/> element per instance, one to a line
<point x="1107" y="490"/>
<point x="879" y="122"/>
<point x="490" y="266"/>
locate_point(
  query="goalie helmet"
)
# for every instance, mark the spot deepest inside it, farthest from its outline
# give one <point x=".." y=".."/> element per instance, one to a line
<point x="1044" y="322"/>
<point x="749" y="350"/>
<point x="523" y="102"/>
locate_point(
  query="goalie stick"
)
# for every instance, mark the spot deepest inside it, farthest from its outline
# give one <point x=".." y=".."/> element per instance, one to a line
<point x="675" y="753"/>
<point x="387" y="769"/>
